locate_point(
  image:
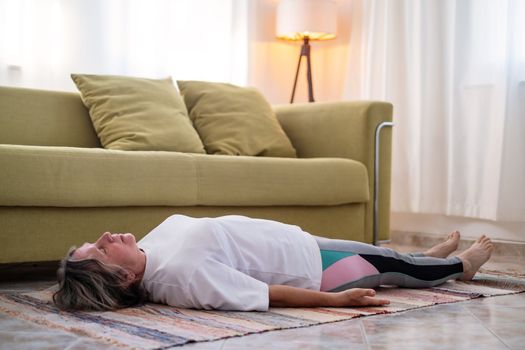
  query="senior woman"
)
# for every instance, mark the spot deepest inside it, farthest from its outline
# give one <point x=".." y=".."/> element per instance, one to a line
<point x="239" y="263"/>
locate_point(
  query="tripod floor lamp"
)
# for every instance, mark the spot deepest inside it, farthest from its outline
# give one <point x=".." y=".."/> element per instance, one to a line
<point x="306" y="20"/>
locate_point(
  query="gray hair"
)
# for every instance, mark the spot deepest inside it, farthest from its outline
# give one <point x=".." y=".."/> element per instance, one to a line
<point x="90" y="284"/>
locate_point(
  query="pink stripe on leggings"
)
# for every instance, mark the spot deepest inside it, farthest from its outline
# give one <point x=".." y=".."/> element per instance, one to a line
<point x="346" y="270"/>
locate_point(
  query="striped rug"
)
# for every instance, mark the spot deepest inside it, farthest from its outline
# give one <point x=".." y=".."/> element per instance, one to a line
<point x="153" y="326"/>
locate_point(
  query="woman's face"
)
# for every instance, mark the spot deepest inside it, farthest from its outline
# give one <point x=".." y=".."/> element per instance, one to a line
<point x="117" y="249"/>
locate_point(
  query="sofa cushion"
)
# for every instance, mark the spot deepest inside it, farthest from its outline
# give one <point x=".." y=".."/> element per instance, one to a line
<point x="137" y="113"/>
<point x="234" y="120"/>
<point x="82" y="177"/>
<point x="230" y="180"/>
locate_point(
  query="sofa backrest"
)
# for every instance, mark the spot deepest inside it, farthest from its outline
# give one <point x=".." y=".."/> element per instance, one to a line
<point x="44" y="118"/>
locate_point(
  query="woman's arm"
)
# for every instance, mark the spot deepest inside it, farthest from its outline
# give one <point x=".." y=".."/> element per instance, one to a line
<point x="287" y="296"/>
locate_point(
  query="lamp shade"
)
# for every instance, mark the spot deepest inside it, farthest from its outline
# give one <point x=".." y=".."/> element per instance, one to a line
<point x="315" y="19"/>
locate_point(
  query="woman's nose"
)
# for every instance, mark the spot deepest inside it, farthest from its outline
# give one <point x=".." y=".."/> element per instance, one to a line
<point x="106" y="236"/>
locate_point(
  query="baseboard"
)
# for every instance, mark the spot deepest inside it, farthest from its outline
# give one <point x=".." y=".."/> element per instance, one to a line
<point x="34" y="271"/>
<point x="425" y="240"/>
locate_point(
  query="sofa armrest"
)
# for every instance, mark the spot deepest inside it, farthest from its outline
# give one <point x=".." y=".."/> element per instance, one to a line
<point x="345" y="130"/>
<point x="333" y="129"/>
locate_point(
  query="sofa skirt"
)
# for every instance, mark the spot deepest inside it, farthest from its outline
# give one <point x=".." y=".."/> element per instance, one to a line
<point x="35" y="234"/>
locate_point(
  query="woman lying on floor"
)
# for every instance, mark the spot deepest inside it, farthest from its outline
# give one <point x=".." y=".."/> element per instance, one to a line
<point x="239" y="263"/>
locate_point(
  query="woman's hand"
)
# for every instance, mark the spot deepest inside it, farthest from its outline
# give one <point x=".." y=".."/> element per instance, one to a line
<point x="358" y="297"/>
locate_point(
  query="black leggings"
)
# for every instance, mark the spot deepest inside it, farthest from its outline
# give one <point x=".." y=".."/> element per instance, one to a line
<point x="349" y="264"/>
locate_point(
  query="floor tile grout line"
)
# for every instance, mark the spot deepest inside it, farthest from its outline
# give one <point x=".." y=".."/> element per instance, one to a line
<point x="487" y="328"/>
<point x="363" y="334"/>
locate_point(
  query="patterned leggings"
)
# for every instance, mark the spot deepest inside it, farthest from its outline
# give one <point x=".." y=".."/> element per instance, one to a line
<point x="349" y="264"/>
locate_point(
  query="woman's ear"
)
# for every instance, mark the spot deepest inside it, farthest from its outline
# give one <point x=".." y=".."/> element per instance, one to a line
<point x="130" y="277"/>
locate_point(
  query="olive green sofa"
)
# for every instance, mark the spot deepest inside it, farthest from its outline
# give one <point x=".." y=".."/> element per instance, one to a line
<point x="59" y="187"/>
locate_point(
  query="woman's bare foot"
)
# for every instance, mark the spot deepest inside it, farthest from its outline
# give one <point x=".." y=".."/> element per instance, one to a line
<point x="442" y="250"/>
<point x="475" y="256"/>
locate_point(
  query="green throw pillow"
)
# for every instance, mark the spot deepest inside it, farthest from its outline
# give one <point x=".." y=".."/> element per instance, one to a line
<point x="234" y="120"/>
<point x="138" y="114"/>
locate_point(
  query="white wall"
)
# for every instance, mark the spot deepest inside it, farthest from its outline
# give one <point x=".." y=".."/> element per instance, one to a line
<point x="273" y="62"/>
<point x="43" y="41"/>
<point x="469" y="227"/>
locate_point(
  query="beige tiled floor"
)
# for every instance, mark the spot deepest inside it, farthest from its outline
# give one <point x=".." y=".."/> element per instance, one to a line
<point x="489" y="323"/>
<point x="485" y="323"/>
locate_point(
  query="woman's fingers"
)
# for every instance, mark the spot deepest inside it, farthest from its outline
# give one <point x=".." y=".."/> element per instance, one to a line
<point x="362" y="292"/>
<point x="375" y="301"/>
<point x="364" y="297"/>
<point x="360" y="297"/>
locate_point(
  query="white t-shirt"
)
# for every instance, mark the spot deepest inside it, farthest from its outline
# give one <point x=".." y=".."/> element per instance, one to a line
<point x="226" y="263"/>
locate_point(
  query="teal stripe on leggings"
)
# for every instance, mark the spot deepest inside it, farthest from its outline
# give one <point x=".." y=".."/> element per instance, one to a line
<point x="330" y="257"/>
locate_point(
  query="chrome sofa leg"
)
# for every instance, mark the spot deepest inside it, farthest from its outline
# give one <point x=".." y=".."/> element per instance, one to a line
<point x="376" y="178"/>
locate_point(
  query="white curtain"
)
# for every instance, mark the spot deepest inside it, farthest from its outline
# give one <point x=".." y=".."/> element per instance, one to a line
<point x="43" y="41"/>
<point x="455" y="73"/>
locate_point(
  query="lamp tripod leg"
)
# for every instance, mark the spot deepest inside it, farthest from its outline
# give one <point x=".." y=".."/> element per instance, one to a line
<point x="296" y="76"/>
<point x="305" y="51"/>
<point x="309" y="77"/>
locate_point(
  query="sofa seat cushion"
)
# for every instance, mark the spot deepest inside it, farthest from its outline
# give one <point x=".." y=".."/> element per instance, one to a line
<point x="237" y="180"/>
<point x="94" y="177"/>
